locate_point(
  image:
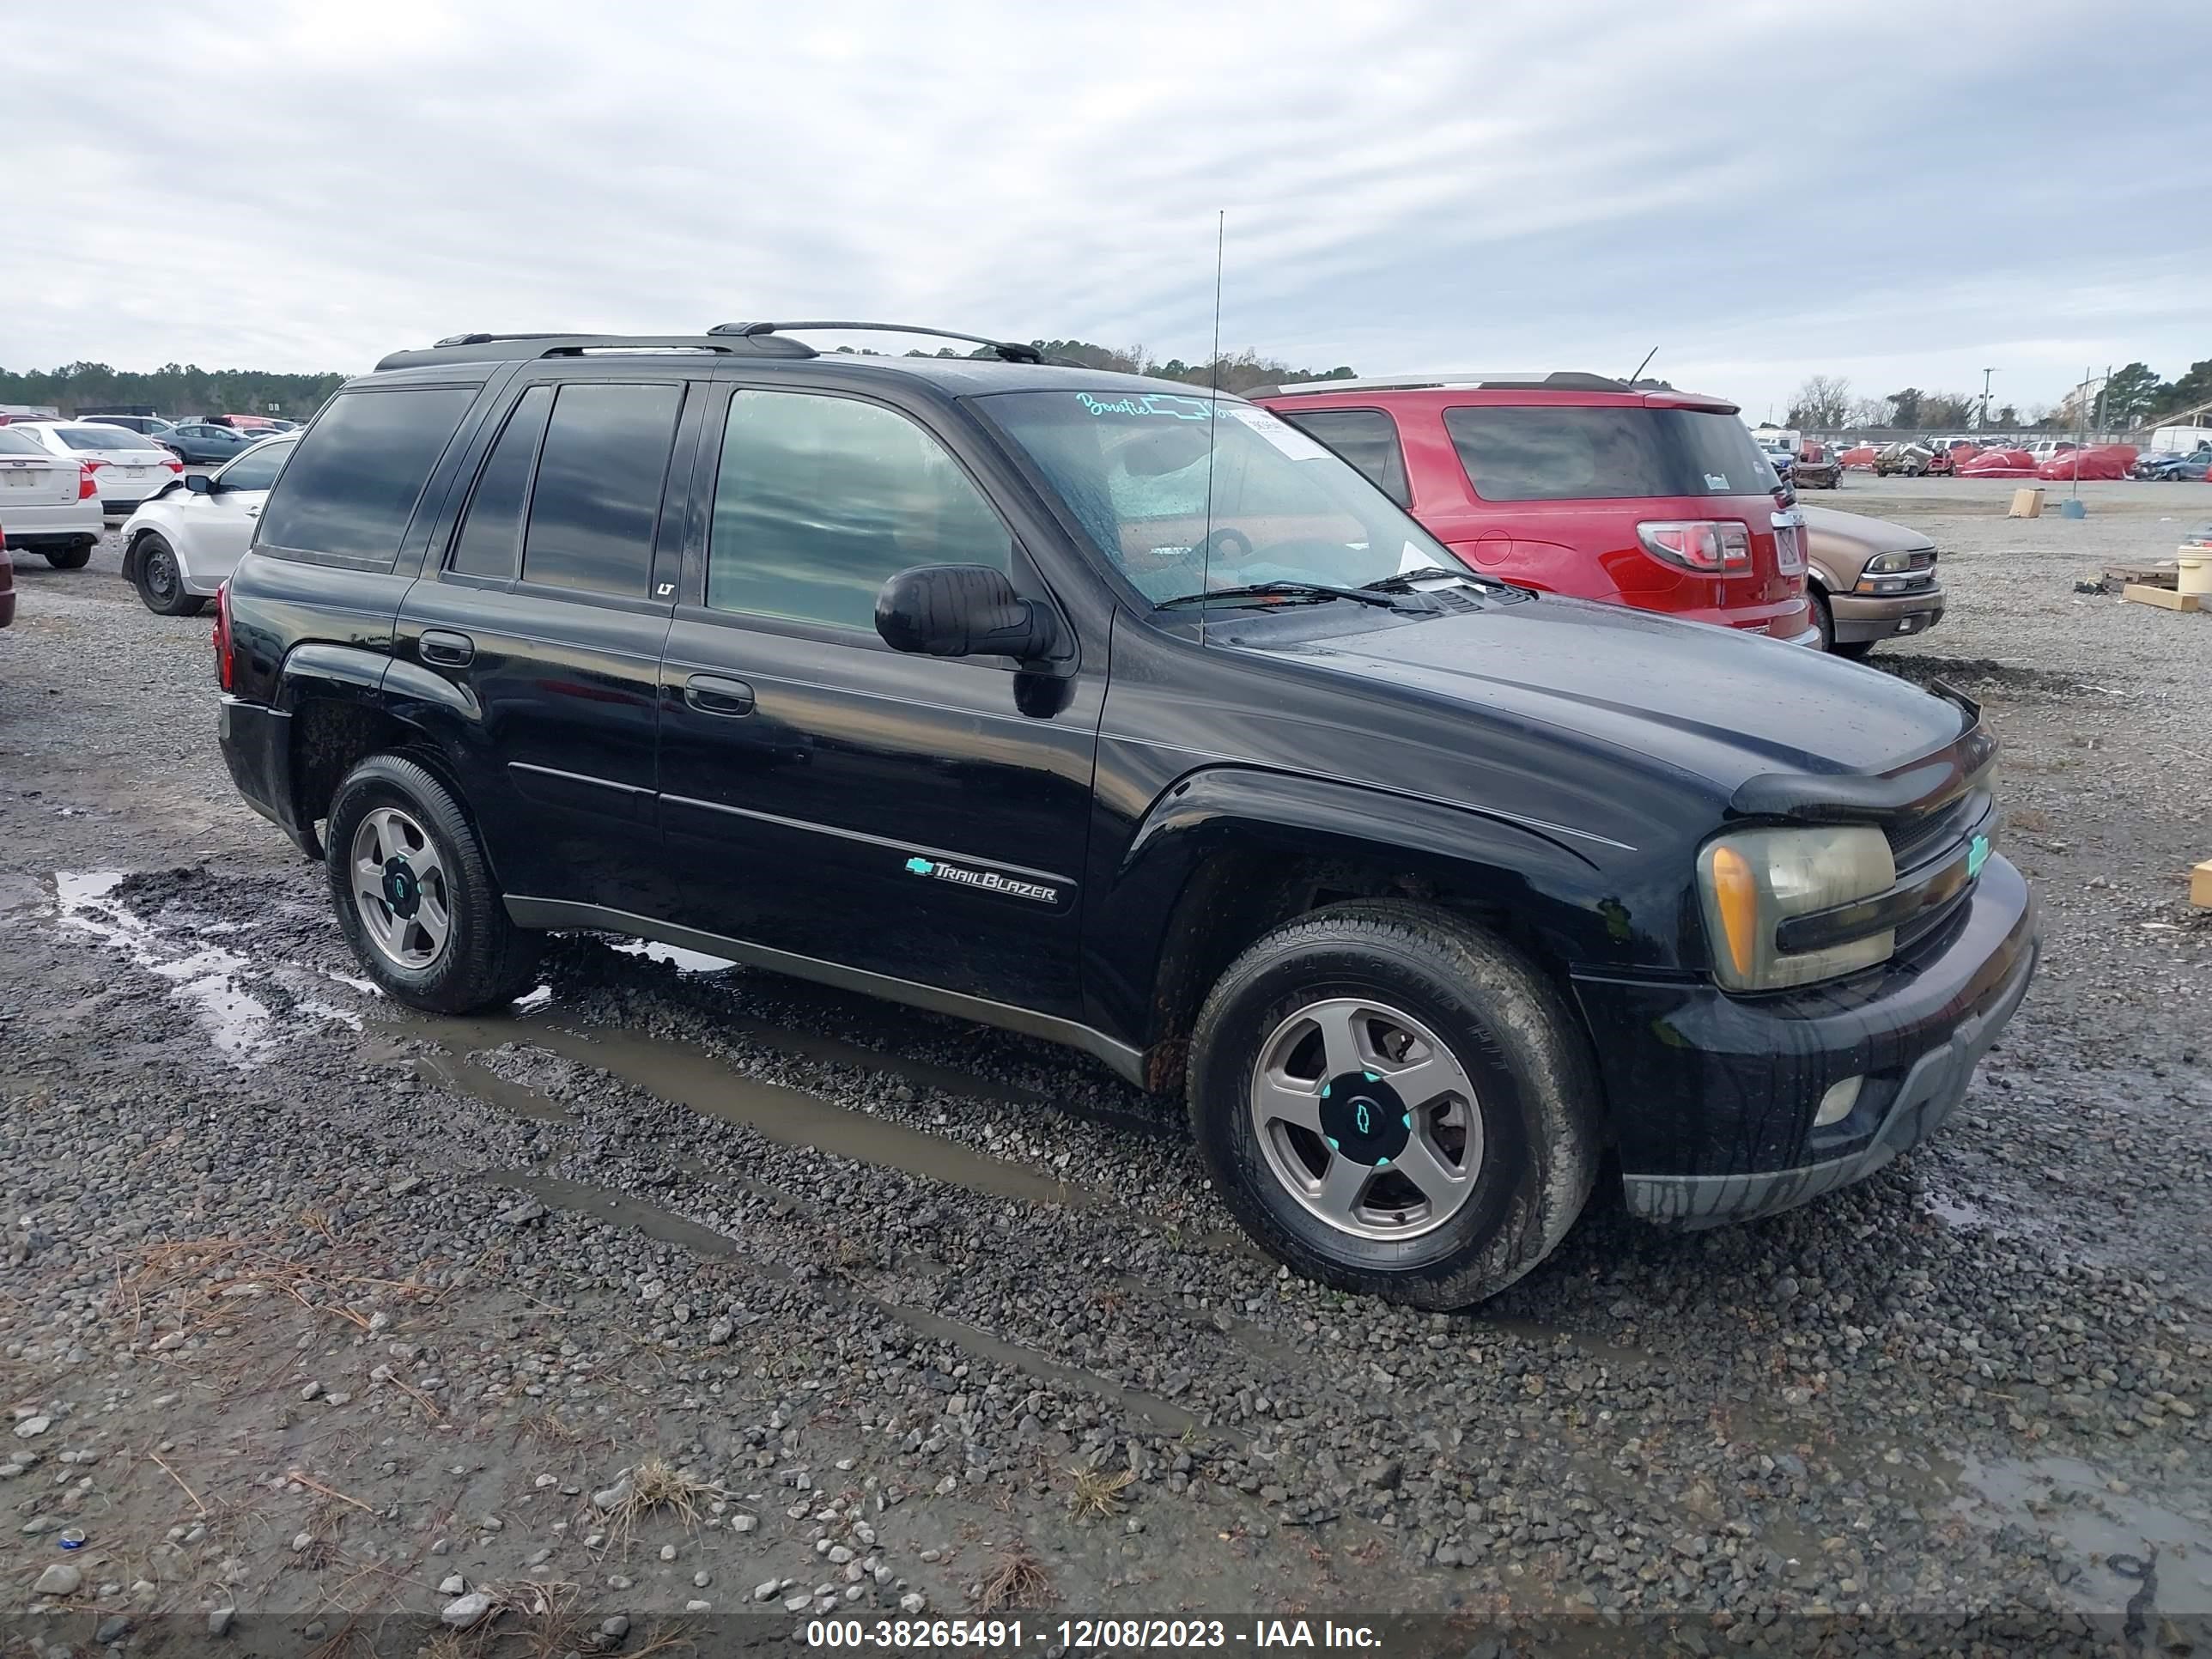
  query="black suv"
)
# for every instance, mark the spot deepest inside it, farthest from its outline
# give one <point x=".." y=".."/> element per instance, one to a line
<point x="1087" y="705"/>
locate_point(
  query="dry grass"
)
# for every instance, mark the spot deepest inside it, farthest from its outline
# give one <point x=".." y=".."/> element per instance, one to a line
<point x="1097" y="1494"/>
<point x="1015" y="1580"/>
<point x="657" y="1486"/>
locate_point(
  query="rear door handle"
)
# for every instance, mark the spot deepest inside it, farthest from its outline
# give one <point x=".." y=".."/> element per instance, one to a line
<point x="446" y="648"/>
<point x="711" y="694"/>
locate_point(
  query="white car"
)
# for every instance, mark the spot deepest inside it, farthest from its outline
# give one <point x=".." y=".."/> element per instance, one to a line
<point x="46" y="504"/>
<point x="128" y="467"/>
<point x="182" y="544"/>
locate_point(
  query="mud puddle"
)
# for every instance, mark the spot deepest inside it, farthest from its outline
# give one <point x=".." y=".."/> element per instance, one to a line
<point x="580" y="1197"/>
<point x="2108" y="1536"/>
<point x="689" y="1076"/>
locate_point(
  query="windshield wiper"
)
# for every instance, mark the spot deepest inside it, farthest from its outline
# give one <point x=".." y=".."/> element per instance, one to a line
<point x="1404" y="580"/>
<point x="1316" y="591"/>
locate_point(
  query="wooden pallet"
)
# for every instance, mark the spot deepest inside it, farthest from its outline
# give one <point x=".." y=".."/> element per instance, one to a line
<point x="2142" y="576"/>
<point x="2170" y="599"/>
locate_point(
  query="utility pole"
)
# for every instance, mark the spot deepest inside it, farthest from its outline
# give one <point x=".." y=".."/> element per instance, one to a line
<point x="1985" y="398"/>
<point x="2100" y="398"/>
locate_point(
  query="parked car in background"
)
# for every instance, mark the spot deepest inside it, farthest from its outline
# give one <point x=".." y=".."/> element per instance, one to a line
<point x="1577" y="484"/>
<point x="1136" y="721"/>
<point x="204" y="444"/>
<point x="49" y="504"/>
<point x="2049" y="449"/>
<point x="145" y="426"/>
<point x="1816" y="465"/>
<point x="128" y="467"/>
<point x="2170" y="469"/>
<point x="1870" y="579"/>
<point x="182" y="543"/>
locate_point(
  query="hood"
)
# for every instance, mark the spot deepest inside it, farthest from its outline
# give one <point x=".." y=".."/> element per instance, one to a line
<point x="1688" y="697"/>
<point x="1863" y="536"/>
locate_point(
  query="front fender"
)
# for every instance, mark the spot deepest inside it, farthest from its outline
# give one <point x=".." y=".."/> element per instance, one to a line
<point x="1196" y="867"/>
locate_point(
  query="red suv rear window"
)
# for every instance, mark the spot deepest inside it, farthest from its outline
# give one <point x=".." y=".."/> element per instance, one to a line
<point x="1553" y="452"/>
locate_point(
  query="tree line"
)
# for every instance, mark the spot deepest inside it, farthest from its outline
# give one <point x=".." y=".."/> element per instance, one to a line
<point x="2132" y="396"/>
<point x="175" y="389"/>
<point x="181" y="389"/>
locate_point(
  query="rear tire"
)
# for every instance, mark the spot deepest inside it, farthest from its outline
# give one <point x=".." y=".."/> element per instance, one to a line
<point x="75" y="557"/>
<point x="427" y="921"/>
<point x="1495" y="1082"/>
<point x="159" y="578"/>
<point x="1855" y="650"/>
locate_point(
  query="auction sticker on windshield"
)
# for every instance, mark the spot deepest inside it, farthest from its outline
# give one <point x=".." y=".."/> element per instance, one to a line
<point x="1279" y="433"/>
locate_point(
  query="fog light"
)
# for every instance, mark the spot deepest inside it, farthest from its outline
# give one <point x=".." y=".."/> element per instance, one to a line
<point x="1836" y="1105"/>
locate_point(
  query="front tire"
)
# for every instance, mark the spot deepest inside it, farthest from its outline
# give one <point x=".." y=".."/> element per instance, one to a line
<point x="159" y="578"/>
<point x="75" y="557"/>
<point x="414" y="894"/>
<point x="1395" y="1102"/>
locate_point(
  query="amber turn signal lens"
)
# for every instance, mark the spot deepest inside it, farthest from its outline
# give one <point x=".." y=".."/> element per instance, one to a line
<point x="1737" y="895"/>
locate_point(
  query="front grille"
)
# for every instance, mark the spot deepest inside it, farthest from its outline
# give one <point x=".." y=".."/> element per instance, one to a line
<point x="1931" y="837"/>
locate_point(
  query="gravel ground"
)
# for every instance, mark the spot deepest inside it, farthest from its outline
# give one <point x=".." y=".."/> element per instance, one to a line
<point x="695" y="1299"/>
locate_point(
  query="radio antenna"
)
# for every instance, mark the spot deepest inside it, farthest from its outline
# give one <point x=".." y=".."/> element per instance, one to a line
<point x="1645" y="364"/>
<point x="1212" y="412"/>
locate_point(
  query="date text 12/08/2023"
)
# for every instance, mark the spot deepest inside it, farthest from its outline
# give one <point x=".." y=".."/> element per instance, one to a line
<point x="1079" y="1634"/>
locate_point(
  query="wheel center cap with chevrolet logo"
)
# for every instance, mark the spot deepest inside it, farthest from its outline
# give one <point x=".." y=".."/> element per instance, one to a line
<point x="1362" y="1118"/>
<point x="402" y="890"/>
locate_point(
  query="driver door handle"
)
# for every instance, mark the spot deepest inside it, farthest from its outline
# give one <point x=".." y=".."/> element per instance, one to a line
<point x="713" y="694"/>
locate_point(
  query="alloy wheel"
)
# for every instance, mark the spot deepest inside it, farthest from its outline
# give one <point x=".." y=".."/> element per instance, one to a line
<point x="1367" y="1118"/>
<point x="400" y="890"/>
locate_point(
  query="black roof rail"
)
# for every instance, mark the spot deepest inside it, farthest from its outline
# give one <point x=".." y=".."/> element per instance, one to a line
<point x="511" y="348"/>
<point x="1567" y="380"/>
<point x="1011" y="351"/>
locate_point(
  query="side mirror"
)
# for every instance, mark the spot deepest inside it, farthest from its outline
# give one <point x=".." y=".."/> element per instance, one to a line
<point x="962" y="610"/>
<point x="199" y="483"/>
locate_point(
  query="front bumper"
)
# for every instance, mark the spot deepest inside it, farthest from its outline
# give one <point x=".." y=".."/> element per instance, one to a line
<point x="256" y="747"/>
<point x="1860" y="618"/>
<point x="1713" y="1095"/>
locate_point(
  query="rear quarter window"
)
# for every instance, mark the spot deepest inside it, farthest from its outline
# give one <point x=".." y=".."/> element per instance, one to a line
<point x="1368" y="438"/>
<point x="1549" y="452"/>
<point x="352" y="483"/>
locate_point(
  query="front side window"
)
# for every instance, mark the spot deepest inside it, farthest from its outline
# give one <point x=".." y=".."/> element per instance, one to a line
<point x="257" y="469"/>
<point x="1368" y="438"/>
<point x="491" y="542"/>
<point x="820" y="500"/>
<point x="352" y="483"/>
<point x="597" y="499"/>
<point x="1555" y="453"/>
<point x="1181" y="504"/>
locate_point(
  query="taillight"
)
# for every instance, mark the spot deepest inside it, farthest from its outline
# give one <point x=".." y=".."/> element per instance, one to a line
<point x="1704" y="544"/>
<point x="92" y="465"/>
<point x="174" y="465"/>
<point x="221" y="637"/>
<point x="86" y="485"/>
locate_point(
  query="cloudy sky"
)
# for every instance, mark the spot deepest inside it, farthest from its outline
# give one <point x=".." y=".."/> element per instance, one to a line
<point x="1898" y="193"/>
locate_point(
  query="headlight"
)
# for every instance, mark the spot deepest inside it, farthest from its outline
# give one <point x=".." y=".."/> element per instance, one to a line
<point x="1755" y="880"/>
<point x="1887" y="564"/>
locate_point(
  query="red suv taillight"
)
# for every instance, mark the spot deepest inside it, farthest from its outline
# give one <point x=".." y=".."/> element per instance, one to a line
<point x="87" y="486"/>
<point x="221" y="637"/>
<point x="1703" y="544"/>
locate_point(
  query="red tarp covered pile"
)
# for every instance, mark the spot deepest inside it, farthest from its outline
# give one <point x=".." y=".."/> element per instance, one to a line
<point x="2106" y="461"/>
<point x="1998" y="463"/>
<point x="1863" y="456"/>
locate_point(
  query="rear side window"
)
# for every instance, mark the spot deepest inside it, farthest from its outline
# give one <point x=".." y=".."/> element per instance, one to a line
<point x="819" y="501"/>
<point x="491" y="542"/>
<point x="1367" y="438"/>
<point x="351" y="487"/>
<point x="600" y="471"/>
<point x="1551" y="452"/>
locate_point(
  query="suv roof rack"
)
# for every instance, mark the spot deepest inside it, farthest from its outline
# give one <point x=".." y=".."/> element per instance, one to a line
<point x="1565" y="379"/>
<point x="511" y="348"/>
<point x="1011" y="351"/>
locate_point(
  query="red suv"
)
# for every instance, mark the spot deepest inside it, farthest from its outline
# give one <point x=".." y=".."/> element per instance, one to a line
<point x="1580" y="485"/>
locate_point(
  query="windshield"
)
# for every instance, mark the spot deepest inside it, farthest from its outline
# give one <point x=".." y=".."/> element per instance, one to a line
<point x="1132" y="469"/>
<point x="103" y="437"/>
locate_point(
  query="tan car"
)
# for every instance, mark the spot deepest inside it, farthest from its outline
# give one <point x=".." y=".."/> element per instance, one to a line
<point x="1868" y="579"/>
